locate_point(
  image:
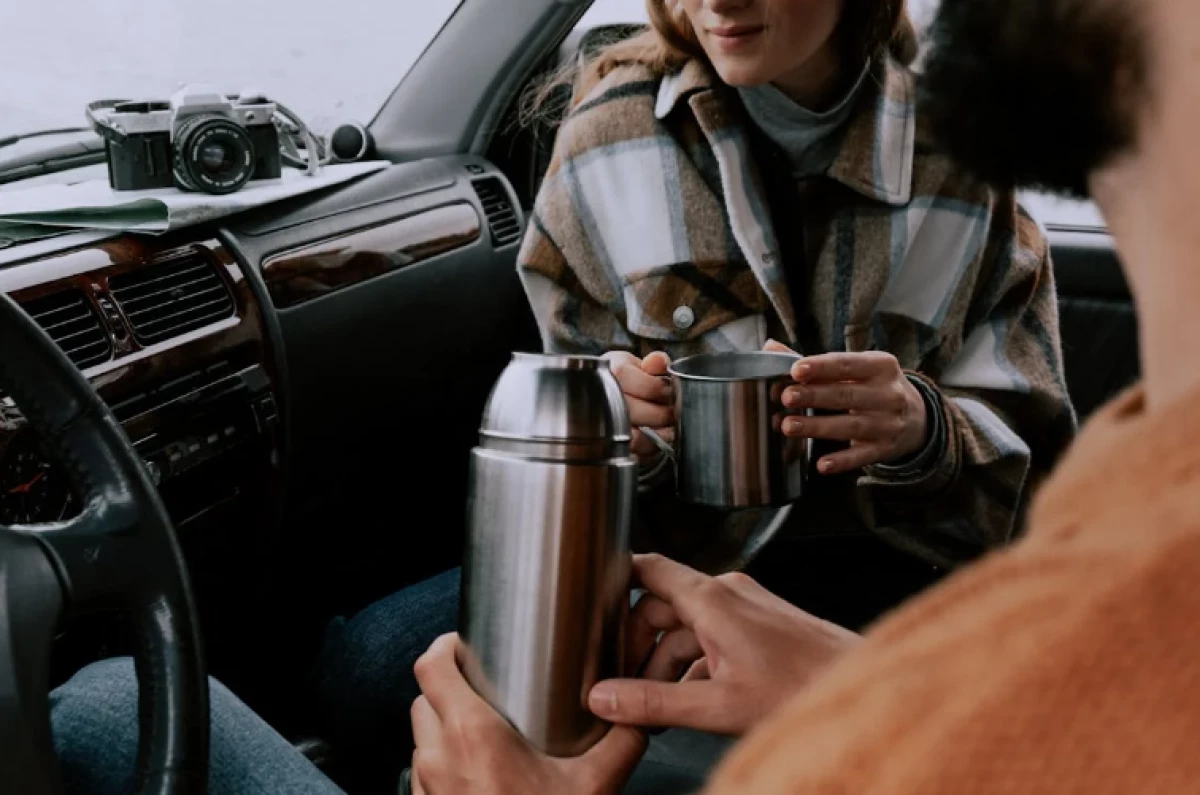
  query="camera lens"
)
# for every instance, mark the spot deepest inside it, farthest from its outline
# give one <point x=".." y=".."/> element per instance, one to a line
<point x="212" y="154"/>
<point x="216" y="157"/>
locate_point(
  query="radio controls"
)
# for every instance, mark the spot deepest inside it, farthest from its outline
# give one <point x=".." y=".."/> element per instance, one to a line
<point x="265" y="412"/>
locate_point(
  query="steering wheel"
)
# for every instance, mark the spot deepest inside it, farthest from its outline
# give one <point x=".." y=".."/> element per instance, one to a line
<point x="122" y="550"/>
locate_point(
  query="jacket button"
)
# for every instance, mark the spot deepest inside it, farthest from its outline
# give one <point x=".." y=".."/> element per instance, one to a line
<point x="684" y="317"/>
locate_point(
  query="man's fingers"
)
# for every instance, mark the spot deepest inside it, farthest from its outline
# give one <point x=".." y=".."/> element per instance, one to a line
<point x="649" y="618"/>
<point x="699" y="670"/>
<point x="440" y="679"/>
<point x="426" y="725"/>
<point x="672" y="582"/>
<point x="674" y="654"/>
<point x="833" y="367"/>
<point x="638" y="702"/>
<point x="614" y="757"/>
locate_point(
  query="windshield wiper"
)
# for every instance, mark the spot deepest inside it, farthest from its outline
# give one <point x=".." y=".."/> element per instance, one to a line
<point x="9" y="140"/>
<point x="53" y="159"/>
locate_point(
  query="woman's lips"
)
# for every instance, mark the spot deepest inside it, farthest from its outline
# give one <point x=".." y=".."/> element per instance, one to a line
<point x="736" y="36"/>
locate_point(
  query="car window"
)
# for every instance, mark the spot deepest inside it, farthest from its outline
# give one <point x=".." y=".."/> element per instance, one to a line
<point x="326" y="62"/>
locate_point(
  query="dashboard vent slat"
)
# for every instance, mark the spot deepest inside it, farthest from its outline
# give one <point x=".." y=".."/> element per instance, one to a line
<point x="172" y="299"/>
<point x="73" y="325"/>
<point x="501" y="217"/>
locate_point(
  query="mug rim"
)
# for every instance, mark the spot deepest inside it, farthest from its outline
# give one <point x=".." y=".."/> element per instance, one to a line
<point x="674" y="371"/>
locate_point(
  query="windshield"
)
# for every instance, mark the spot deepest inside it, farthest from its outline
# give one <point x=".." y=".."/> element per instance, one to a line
<point x="327" y="61"/>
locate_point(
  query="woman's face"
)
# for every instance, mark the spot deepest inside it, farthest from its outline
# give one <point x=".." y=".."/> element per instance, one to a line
<point x="752" y="42"/>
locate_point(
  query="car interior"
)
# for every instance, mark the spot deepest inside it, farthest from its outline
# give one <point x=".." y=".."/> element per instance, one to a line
<point x="302" y="383"/>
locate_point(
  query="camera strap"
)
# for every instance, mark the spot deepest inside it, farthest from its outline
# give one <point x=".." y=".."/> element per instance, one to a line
<point x="102" y="128"/>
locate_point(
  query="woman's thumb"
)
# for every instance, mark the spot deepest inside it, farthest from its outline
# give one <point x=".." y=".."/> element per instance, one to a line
<point x="656" y="363"/>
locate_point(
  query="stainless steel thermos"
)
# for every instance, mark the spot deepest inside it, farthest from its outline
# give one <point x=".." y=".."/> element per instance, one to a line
<point x="546" y="571"/>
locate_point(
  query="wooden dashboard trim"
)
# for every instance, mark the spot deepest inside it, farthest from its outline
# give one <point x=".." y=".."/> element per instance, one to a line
<point x="242" y="337"/>
<point x="302" y="274"/>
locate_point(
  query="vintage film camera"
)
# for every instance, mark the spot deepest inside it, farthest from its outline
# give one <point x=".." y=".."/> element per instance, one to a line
<point x="198" y="140"/>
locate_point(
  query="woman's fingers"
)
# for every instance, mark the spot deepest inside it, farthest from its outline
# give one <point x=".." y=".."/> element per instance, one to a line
<point x="643" y="413"/>
<point x="774" y="346"/>
<point x="872" y="396"/>
<point x="856" y="457"/>
<point x="834" y="367"/>
<point x="636" y="382"/>
<point x="844" y="427"/>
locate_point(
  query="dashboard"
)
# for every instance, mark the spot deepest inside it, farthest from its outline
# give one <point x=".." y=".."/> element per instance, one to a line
<point x="242" y="358"/>
<point x="172" y="337"/>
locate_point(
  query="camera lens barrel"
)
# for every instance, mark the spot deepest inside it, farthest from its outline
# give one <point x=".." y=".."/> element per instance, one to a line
<point x="212" y="154"/>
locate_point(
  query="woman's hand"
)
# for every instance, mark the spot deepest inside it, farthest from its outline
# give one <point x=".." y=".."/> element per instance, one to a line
<point x="464" y="747"/>
<point x="740" y="650"/>
<point x="649" y="395"/>
<point x="884" y="414"/>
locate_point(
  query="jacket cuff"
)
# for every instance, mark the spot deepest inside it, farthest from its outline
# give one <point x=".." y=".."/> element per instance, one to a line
<point x="935" y="466"/>
<point x="923" y="460"/>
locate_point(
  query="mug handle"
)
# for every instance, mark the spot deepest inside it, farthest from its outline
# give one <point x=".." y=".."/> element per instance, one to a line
<point x="659" y="442"/>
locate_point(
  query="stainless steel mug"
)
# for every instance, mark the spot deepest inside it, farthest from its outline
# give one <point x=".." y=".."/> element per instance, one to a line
<point x="546" y="575"/>
<point x="729" y="450"/>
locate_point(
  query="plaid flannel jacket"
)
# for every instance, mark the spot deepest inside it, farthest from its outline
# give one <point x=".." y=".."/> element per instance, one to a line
<point x="652" y="231"/>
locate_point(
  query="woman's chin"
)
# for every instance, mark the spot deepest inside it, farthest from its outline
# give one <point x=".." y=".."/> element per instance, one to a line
<point x="741" y="72"/>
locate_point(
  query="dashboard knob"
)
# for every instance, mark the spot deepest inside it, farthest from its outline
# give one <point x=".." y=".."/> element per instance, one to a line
<point x="350" y="141"/>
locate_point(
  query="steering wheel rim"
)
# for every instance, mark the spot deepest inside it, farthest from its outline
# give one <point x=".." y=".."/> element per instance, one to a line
<point x="121" y="548"/>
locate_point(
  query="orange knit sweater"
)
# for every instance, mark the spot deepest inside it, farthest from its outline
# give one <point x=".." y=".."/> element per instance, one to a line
<point x="1068" y="664"/>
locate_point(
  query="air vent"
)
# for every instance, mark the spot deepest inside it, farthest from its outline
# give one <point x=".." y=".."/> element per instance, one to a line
<point x="74" y="325"/>
<point x="172" y="299"/>
<point x="501" y="217"/>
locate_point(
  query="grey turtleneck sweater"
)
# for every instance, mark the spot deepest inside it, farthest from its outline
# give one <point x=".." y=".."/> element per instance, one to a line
<point x="810" y="140"/>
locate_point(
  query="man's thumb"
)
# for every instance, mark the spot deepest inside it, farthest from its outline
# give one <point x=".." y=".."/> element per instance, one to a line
<point x="774" y="346"/>
<point x="617" y="752"/>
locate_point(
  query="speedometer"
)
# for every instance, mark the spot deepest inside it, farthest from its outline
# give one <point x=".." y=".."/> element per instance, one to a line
<point x="32" y="490"/>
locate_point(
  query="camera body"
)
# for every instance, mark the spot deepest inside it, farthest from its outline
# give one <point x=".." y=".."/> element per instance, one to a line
<point x="198" y="140"/>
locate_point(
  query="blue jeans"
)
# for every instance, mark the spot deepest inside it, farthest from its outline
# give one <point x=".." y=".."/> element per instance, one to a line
<point x="94" y="720"/>
<point x="365" y="687"/>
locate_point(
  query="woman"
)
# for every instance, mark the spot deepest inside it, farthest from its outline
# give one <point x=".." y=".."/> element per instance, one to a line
<point x="750" y="171"/>
<point x="749" y="174"/>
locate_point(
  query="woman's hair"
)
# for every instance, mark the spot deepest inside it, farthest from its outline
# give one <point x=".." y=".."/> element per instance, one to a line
<point x="867" y="29"/>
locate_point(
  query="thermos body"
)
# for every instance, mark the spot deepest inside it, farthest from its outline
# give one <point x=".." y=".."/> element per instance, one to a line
<point x="546" y="573"/>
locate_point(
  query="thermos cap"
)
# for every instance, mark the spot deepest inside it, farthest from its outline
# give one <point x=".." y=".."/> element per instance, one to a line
<point x="551" y="399"/>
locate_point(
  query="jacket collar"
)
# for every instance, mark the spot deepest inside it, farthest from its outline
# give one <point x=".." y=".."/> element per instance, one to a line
<point x="876" y="156"/>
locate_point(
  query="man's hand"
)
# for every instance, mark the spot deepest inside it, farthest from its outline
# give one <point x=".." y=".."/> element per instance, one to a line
<point x="740" y="650"/>
<point x="883" y="414"/>
<point x="465" y="748"/>
<point x="649" y="396"/>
